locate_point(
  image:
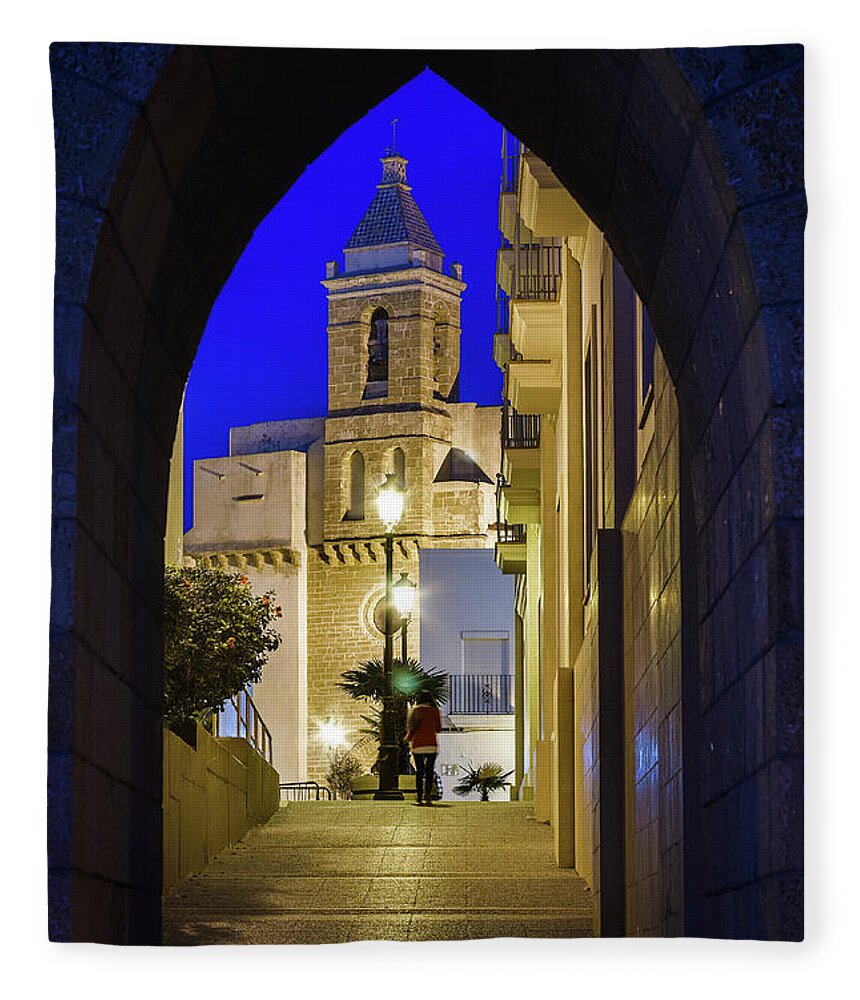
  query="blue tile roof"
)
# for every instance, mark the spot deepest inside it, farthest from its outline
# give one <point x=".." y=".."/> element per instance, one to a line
<point x="393" y="217"/>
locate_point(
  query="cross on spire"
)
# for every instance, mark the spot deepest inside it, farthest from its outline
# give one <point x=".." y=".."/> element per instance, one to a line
<point x="394" y="122"/>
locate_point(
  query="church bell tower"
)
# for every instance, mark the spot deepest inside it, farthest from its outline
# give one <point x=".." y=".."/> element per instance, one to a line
<point x="393" y="362"/>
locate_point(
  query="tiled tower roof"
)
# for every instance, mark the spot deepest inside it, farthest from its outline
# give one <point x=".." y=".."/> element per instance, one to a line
<point x="393" y="215"/>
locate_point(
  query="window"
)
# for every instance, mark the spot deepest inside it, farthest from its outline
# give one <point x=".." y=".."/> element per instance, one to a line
<point x="355" y="511"/>
<point x="485" y="654"/>
<point x="377" y="355"/>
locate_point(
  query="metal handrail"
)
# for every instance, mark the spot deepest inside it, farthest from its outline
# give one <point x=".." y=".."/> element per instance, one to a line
<point x="519" y="430"/>
<point x="506" y="532"/>
<point x="248" y="718"/>
<point x="503" y="311"/>
<point x="511" y="533"/>
<point x="480" y="694"/>
<point x="511" y="148"/>
<point x="537" y="272"/>
<point x="300" y="791"/>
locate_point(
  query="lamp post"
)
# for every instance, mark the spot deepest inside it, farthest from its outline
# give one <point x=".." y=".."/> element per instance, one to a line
<point x="389" y="500"/>
<point x="404" y="601"/>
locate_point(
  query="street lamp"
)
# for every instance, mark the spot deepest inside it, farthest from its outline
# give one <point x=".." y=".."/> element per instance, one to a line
<point x="389" y="499"/>
<point x="404" y="601"/>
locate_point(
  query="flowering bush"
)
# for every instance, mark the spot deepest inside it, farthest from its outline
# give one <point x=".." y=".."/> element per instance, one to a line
<point x="217" y="637"/>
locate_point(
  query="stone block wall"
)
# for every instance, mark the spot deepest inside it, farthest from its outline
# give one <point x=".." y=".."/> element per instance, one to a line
<point x="344" y="587"/>
<point x="424" y="439"/>
<point x="652" y="659"/>
<point x="415" y="301"/>
<point x="587" y="771"/>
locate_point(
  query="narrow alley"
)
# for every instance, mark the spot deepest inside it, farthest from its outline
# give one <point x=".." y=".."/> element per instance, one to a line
<point x="322" y="872"/>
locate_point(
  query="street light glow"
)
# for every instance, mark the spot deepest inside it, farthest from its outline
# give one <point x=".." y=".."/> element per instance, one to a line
<point x="332" y="733"/>
<point x="389" y="500"/>
<point x="404" y="595"/>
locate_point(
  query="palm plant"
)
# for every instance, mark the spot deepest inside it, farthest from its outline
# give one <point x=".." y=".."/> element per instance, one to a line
<point x="409" y="678"/>
<point x="484" y="779"/>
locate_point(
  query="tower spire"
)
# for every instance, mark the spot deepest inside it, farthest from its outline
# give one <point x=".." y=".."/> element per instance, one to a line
<point x="394" y="122"/>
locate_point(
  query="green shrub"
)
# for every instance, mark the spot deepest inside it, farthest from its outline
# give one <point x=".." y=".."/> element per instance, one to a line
<point x="217" y="637"/>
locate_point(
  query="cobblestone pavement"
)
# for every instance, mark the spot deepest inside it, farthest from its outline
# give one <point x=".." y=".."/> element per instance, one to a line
<point x="322" y="872"/>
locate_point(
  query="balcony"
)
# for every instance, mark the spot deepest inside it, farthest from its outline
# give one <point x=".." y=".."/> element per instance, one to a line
<point x="545" y="205"/>
<point x="508" y="186"/>
<point x="534" y="386"/>
<point x="520" y="505"/>
<point x="480" y="694"/>
<point x="516" y="505"/>
<point x="503" y="349"/>
<point x="510" y="552"/>
<point x="520" y="444"/>
<point x="530" y="272"/>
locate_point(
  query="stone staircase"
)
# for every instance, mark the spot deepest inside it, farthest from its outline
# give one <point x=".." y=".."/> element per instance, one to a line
<point x="321" y="872"/>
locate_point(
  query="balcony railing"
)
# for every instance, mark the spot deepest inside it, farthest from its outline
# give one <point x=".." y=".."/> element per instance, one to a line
<point x="480" y="694"/>
<point x="503" y="311"/>
<point x="511" y="148"/>
<point x="511" y="533"/>
<point x="537" y="272"/>
<point x="506" y="532"/>
<point x="241" y="719"/>
<point x="519" y="430"/>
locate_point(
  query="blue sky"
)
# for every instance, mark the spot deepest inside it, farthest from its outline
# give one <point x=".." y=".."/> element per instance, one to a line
<point x="263" y="353"/>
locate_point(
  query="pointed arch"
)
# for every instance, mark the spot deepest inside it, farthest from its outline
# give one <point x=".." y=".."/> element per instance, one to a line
<point x="377" y="352"/>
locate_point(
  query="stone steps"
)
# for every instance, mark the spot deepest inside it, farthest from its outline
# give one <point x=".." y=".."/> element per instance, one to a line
<point x="346" y="871"/>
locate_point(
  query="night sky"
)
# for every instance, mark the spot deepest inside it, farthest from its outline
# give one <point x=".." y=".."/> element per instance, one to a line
<point x="263" y="353"/>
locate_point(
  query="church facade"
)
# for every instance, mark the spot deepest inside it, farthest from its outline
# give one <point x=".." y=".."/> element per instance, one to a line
<point x="292" y="505"/>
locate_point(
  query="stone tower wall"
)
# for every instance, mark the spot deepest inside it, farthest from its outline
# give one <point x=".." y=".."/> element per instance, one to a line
<point x="416" y="300"/>
<point x="344" y="585"/>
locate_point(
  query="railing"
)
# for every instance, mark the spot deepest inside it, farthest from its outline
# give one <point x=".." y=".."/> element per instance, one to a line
<point x="249" y="724"/>
<point x="503" y="311"/>
<point x="511" y="148"/>
<point x="304" y="791"/>
<point x="480" y="694"/>
<point x="537" y="272"/>
<point x="511" y="532"/>
<point x="506" y="532"/>
<point x="519" y="430"/>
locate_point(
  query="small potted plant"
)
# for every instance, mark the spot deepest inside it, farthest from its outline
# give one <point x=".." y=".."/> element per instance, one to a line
<point x="484" y="779"/>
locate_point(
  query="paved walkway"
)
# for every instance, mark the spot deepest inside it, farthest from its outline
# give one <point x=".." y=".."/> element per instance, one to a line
<point x="350" y="871"/>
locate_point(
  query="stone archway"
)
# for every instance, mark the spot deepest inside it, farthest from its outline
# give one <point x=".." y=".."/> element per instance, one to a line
<point x="166" y="161"/>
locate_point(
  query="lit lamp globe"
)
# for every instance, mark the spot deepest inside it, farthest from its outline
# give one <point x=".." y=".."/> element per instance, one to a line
<point x="404" y="595"/>
<point x="390" y="500"/>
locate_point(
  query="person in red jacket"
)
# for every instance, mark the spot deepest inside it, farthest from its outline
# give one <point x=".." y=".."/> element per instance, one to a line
<point x="424" y="723"/>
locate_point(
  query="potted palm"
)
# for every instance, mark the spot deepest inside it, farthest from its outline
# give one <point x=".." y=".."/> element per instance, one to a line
<point x="484" y="779"/>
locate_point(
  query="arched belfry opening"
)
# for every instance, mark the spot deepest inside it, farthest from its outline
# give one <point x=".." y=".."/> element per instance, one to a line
<point x="377" y="355"/>
<point x="150" y="220"/>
